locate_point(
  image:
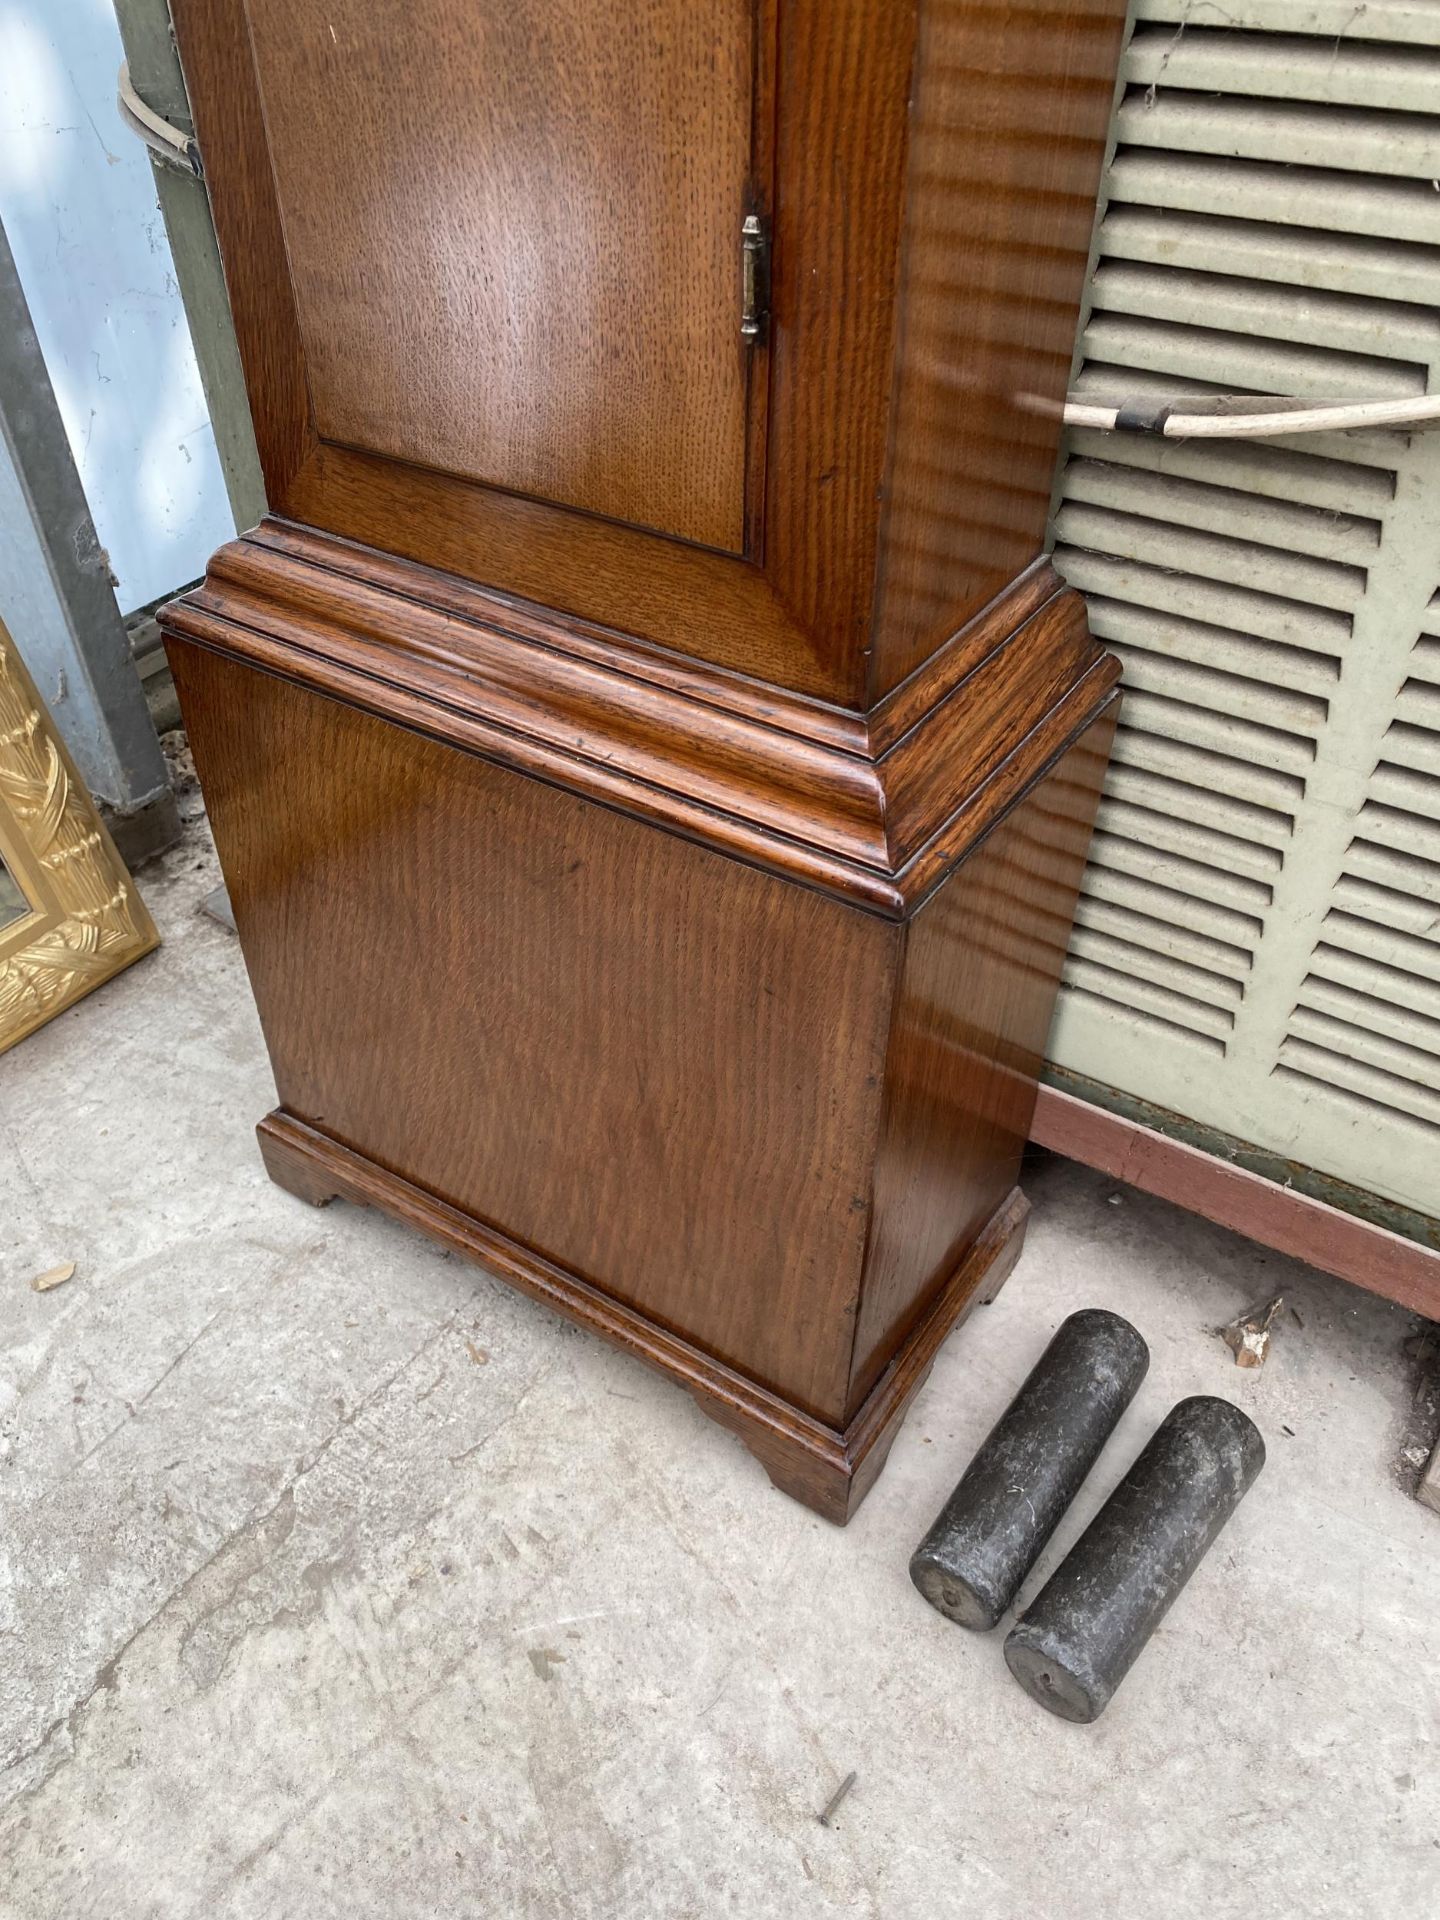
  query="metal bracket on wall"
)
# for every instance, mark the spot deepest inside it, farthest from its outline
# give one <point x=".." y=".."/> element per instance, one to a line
<point x="94" y="691"/>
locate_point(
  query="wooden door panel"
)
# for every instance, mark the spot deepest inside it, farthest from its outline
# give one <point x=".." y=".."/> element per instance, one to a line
<point x="626" y="459"/>
<point x="515" y="250"/>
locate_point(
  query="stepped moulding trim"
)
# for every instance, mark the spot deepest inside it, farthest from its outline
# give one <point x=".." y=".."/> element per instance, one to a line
<point x="874" y="808"/>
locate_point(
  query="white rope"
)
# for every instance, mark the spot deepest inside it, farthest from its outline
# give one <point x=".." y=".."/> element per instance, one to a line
<point x="1274" y="417"/>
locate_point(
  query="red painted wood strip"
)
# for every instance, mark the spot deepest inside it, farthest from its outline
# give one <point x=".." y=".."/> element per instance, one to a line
<point x="1356" y="1250"/>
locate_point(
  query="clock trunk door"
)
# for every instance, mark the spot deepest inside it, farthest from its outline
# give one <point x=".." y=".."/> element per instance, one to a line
<point x="513" y="242"/>
<point x="488" y="266"/>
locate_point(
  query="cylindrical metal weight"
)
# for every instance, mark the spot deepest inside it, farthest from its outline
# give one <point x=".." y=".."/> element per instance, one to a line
<point x="1086" y="1626"/>
<point x="989" y="1532"/>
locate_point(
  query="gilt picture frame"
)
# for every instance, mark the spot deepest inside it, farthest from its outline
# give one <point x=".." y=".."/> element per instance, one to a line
<point x="70" y="915"/>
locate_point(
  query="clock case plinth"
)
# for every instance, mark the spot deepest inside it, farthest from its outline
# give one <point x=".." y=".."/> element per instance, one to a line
<point x="708" y="1014"/>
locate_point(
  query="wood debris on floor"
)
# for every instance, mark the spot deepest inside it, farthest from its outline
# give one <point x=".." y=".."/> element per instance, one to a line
<point x="53" y="1277"/>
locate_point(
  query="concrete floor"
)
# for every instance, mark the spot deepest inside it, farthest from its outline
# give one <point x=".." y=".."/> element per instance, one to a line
<point x="337" y="1580"/>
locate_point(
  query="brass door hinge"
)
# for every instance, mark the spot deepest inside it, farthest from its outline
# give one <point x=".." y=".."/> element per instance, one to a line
<point x="754" y="279"/>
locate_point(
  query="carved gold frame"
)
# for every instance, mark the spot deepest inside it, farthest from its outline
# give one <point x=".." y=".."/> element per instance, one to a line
<point x="86" y="921"/>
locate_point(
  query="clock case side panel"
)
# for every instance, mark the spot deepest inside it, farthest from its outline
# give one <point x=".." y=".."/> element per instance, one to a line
<point x="623" y="859"/>
<point x="1010" y="114"/>
<point x="978" y="979"/>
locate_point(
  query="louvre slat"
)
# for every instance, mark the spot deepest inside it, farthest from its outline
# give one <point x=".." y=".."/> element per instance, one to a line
<point x="1357" y="140"/>
<point x="1373" y="1096"/>
<point x="1370" y="944"/>
<point x="1380" y="984"/>
<point x="1219" y="604"/>
<point x="1309" y="197"/>
<point x="1398" y="1021"/>
<point x="1251" y="467"/>
<point x="1262" y="832"/>
<point x="1169" y="904"/>
<point x="1126" y="990"/>
<point x="1224" y="734"/>
<point x="1163" y="937"/>
<point x="1387" y="906"/>
<point x="1416" y="747"/>
<point x="1414" y="793"/>
<point x="1179" y="875"/>
<point x="1283" y="66"/>
<point x="1404" y="20"/>
<point x="1401" y="872"/>
<point x="1241" y="363"/>
<point x="1426" y="662"/>
<point x="1141" y="628"/>
<point x="1167" y="1031"/>
<point x="1161" y="970"/>
<point x="1315" y="582"/>
<point x="1151" y="829"/>
<point x="1221" y="733"/>
<point x="1327" y="321"/>
<point x="1326" y="262"/>
<point x="1228" y="694"/>
<point x="1375" y="1051"/>
<point x="1209" y="508"/>
<point x="1401" y="832"/>
<point x="1419" y="705"/>
<point x="1276" y="794"/>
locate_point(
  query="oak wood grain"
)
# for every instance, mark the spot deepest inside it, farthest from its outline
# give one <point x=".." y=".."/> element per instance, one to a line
<point x="444" y="365"/>
<point x="761" y="1120"/>
<point x="842" y="139"/>
<point x="808" y="792"/>
<point x="657" y="1066"/>
<point x="795" y="608"/>
<point x="1011" y="102"/>
<point x="977" y="990"/>
<point x="514" y="252"/>
<point x="220" y="79"/>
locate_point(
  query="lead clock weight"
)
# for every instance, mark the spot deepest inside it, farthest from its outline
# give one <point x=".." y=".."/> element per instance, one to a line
<point x="990" y="1531"/>
<point x="1088" y="1624"/>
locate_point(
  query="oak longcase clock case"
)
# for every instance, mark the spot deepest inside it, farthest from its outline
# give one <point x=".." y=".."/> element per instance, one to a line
<point x="650" y="758"/>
